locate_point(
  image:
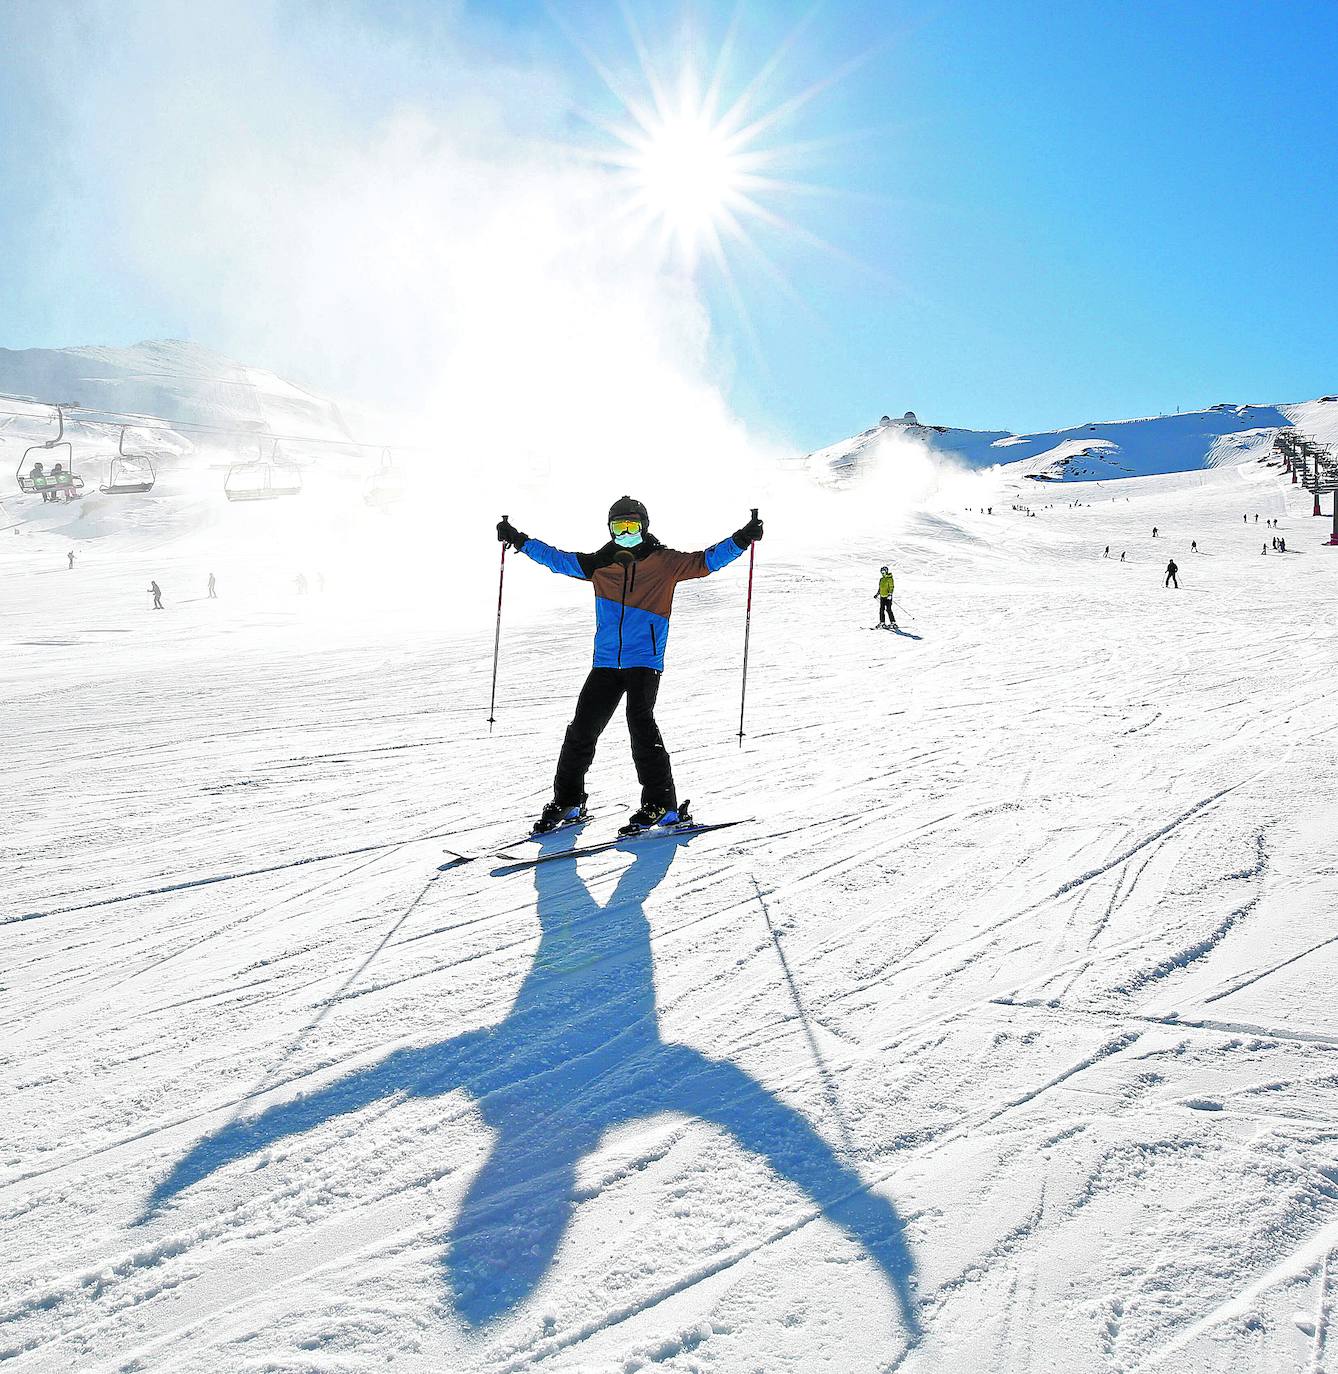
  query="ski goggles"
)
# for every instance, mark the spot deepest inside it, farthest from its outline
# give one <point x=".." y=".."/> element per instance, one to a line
<point x="617" y="527"/>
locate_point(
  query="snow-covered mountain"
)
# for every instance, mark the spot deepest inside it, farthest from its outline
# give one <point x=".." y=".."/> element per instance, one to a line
<point x="1091" y="452"/>
<point x="175" y="380"/>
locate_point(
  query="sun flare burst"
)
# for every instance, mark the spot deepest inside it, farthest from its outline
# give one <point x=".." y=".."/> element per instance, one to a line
<point x="688" y="176"/>
<point x="704" y="172"/>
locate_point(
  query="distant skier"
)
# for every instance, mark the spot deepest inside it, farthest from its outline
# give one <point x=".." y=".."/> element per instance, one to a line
<point x="886" y="586"/>
<point x="1171" y="579"/>
<point x="1193" y="546"/>
<point x="1264" y="550"/>
<point x="1282" y="545"/>
<point x="1154" y="531"/>
<point x="157" y="596"/>
<point x="633" y="577"/>
<point x="1256" y="517"/>
<point x="213" y="595"/>
<point x="1107" y="552"/>
<point x="1121" y="555"/>
<point x="70" y="556"/>
<point x="301" y="584"/>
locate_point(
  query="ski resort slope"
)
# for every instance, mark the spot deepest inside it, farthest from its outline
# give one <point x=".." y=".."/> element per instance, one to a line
<point x="1101" y="451"/>
<point x="1000" y="1037"/>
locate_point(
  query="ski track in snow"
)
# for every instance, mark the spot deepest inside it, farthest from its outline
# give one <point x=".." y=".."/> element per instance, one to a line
<point x="1031" y="937"/>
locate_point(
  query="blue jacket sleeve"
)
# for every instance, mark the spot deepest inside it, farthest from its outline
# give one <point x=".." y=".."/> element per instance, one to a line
<point x="555" y="560"/>
<point x="721" y="554"/>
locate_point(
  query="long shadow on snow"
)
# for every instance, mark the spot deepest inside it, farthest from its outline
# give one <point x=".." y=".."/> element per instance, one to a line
<point x="578" y="1054"/>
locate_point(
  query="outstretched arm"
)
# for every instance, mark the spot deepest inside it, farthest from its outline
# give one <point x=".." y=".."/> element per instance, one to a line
<point x="721" y="1092"/>
<point x="555" y="560"/>
<point x="707" y="561"/>
<point x="426" y="1072"/>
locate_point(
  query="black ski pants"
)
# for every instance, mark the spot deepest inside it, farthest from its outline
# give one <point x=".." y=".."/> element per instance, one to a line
<point x="599" y="698"/>
<point x="885" y="609"/>
<point x="1171" y="580"/>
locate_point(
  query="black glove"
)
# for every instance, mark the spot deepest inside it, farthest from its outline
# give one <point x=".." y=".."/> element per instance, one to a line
<point x="509" y="534"/>
<point x="750" y="533"/>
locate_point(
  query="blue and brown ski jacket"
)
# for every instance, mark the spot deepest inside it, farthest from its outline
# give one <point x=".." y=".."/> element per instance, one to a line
<point x="634" y="592"/>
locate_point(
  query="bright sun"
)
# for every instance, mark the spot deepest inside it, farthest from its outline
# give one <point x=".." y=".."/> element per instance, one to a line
<point x="688" y="177"/>
<point x="702" y="171"/>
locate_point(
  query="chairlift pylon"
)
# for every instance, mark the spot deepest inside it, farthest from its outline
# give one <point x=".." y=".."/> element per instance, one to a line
<point x="59" y="482"/>
<point x="262" y="479"/>
<point x="128" y="473"/>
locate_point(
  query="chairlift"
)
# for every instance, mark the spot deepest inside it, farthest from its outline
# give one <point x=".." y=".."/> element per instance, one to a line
<point x="386" y="486"/>
<point x="57" y="482"/>
<point x="263" y="479"/>
<point x="128" y="473"/>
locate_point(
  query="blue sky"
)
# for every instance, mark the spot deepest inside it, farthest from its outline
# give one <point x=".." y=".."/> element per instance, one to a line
<point x="1041" y="213"/>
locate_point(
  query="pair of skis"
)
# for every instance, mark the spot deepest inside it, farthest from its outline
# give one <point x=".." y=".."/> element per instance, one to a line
<point x="513" y="862"/>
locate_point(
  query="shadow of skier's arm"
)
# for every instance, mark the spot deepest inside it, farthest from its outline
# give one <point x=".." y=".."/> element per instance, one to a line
<point x="429" y="1071"/>
<point x="724" y="1094"/>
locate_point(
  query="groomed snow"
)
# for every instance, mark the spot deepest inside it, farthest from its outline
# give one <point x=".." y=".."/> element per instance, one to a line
<point x="1008" y="1019"/>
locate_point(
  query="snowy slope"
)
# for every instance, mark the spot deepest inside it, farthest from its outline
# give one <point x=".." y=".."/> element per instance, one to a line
<point x="1093" y="452"/>
<point x="1002" y="1039"/>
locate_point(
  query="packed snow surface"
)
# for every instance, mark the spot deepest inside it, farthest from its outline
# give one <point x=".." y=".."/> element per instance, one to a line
<point x="1000" y="1037"/>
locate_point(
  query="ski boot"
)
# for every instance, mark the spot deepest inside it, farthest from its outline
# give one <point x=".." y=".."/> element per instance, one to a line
<point x="557" y="815"/>
<point x="651" y="816"/>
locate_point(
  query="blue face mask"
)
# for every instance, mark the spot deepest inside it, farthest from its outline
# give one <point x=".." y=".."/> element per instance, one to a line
<point x="627" y="541"/>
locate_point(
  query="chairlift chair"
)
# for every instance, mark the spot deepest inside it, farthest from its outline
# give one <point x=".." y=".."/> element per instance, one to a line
<point x="386" y="486"/>
<point x="66" y="484"/>
<point x="128" y="473"/>
<point x="261" y="479"/>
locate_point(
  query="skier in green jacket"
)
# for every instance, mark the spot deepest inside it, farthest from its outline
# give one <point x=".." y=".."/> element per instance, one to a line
<point x="886" y="585"/>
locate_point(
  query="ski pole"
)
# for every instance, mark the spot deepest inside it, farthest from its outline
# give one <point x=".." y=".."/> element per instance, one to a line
<point x="497" y="640"/>
<point x="747" y="631"/>
<point x="902" y="609"/>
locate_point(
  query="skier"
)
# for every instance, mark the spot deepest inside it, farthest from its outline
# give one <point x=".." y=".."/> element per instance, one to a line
<point x="1282" y="545"/>
<point x="1171" y="579"/>
<point x="1121" y="555"/>
<point x="1193" y="546"/>
<point x="1264" y="550"/>
<point x="70" y="556"/>
<point x="1154" y="531"/>
<point x="633" y="577"/>
<point x="157" y="596"/>
<point x="1107" y="552"/>
<point x="213" y="595"/>
<point x="886" y="585"/>
<point x="301" y="584"/>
